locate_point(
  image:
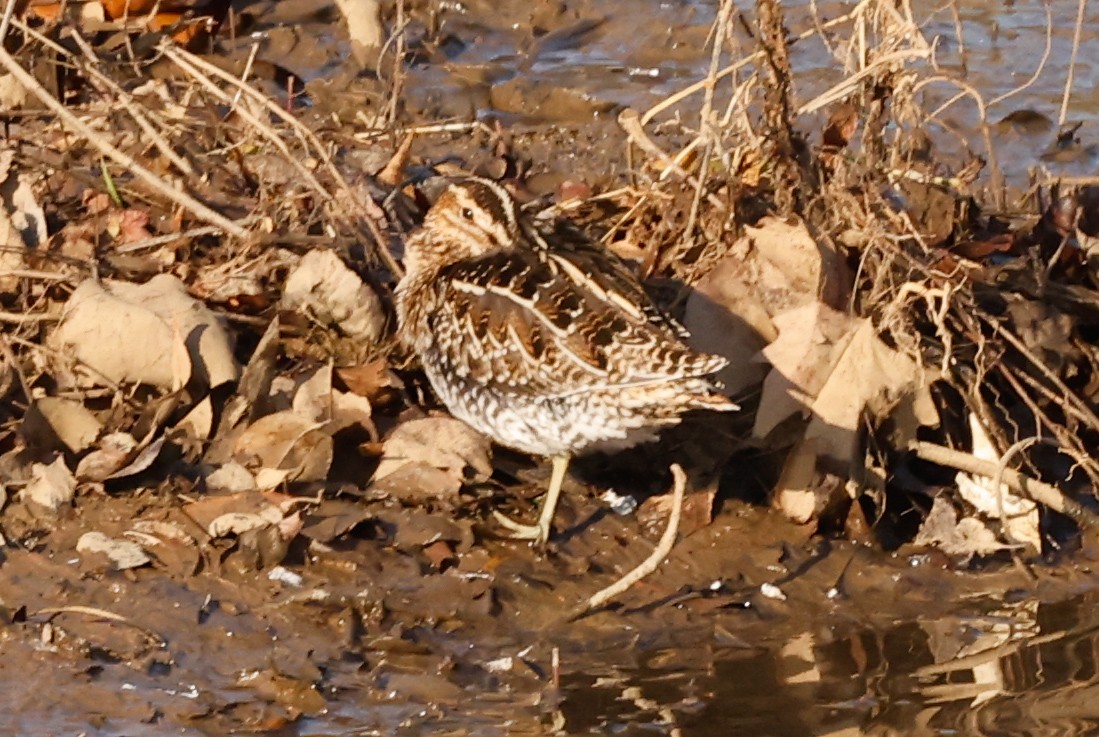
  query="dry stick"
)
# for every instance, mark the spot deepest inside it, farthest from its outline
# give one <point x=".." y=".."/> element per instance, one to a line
<point x="1085" y="411"/>
<point x="990" y="655"/>
<point x="6" y="21"/>
<point x="369" y="210"/>
<point x="631" y="124"/>
<point x="982" y="110"/>
<point x="418" y="129"/>
<point x="959" y="33"/>
<point x="1072" y="61"/>
<point x="124" y="97"/>
<point x="844" y="88"/>
<point x="177" y="196"/>
<point x="651" y="563"/>
<point x="997" y="480"/>
<point x="20" y="318"/>
<point x="91" y="611"/>
<point x="1041" y="492"/>
<point x="724" y="14"/>
<point x="267" y="131"/>
<point x="708" y="132"/>
<point x="9" y="356"/>
<point x="160" y="240"/>
<point x="34" y="274"/>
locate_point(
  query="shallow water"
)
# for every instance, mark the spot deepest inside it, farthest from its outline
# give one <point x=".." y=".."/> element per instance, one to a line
<point x="634" y="53"/>
<point x="1025" y="668"/>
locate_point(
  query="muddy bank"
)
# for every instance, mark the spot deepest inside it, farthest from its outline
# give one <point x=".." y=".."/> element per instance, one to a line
<point x="373" y="637"/>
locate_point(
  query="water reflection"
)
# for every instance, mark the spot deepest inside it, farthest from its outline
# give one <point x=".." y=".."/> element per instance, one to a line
<point x="1028" y="668"/>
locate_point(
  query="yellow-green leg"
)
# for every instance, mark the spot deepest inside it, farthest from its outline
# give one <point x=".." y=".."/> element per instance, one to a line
<point x="539" y="533"/>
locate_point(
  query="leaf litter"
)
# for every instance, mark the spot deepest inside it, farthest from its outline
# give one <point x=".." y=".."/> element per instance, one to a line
<point x="207" y="406"/>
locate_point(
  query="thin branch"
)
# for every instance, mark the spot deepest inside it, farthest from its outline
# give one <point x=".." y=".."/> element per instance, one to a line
<point x="650" y="564"/>
<point x="1080" y="6"/>
<point x="177" y="196"/>
<point x="1041" y="492"/>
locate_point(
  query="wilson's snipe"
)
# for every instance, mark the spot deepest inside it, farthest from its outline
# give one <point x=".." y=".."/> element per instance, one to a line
<point x="540" y="338"/>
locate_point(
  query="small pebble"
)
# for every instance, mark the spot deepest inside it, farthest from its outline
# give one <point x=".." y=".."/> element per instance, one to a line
<point x="284" y="575"/>
<point x="620" y="504"/>
<point x="772" y="592"/>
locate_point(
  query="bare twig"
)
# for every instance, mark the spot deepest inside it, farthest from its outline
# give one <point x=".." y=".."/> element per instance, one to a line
<point x="630" y="123"/>
<point x="174" y="194"/>
<point x="733" y="68"/>
<point x="367" y="210"/>
<point x="650" y="564"/>
<point x="1081" y="5"/>
<point x="1039" y="491"/>
<point x="18" y="318"/>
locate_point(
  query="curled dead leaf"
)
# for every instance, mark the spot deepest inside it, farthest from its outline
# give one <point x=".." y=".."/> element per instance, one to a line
<point x="54" y="423"/>
<point x="152" y="333"/>
<point x="291" y="446"/>
<point x="323" y="287"/>
<point x="51" y="485"/>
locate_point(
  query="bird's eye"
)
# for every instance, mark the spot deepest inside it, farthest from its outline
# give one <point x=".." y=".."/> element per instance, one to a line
<point x="467" y="213"/>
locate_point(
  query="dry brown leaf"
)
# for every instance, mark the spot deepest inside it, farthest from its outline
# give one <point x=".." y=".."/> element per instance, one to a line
<point x="172" y="547"/>
<point x="115" y="450"/>
<point x="1020" y="516"/>
<point x="726" y="320"/>
<point x="351" y="409"/>
<point x="332" y="519"/>
<point x="323" y="287"/>
<point x="440" y="443"/>
<point x="12" y="253"/>
<point x="22" y="221"/>
<point x="199" y="422"/>
<point x="55" y="424"/>
<point x="231" y="478"/>
<point x="237" y="523"/>
<point x="205" y="510"/>
<point x="143" y="333"/>
<point x="284" y="446"/>
<point x="313" y="397"/>
<point x="364" y="27"/>
<point x="796" y="490"/>
<point x="123" y="554"/>
<point x="697" y="512"/>
<point x="775" y="267"/>
<point x="801" y="358"/>
<point x="13" y="95"/>
<point x="372" y="380"/>
<point x="965" y="537"/>
<point x="22" y="206"/>
<point x="868" y="376"/>
<point x="51" y="485"/>
<point x="418" y="483"/>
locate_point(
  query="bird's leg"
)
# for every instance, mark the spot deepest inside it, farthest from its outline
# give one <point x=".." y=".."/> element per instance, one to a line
<point x="539" y="533"/>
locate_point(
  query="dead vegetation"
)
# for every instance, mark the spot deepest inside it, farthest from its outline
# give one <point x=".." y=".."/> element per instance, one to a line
<point x="195" y="291"/>
<point x="912" y="331"/>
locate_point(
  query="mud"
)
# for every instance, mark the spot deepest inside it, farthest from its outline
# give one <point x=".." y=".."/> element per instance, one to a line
<point x="383" y="618"/>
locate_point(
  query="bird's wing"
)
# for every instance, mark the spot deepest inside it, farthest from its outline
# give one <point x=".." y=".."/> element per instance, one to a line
<point x="540" y="322"/>
<point x="603" y="267"/>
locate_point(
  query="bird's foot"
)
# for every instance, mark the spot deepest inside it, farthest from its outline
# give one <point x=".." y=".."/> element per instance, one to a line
<point x="538" y="534"/>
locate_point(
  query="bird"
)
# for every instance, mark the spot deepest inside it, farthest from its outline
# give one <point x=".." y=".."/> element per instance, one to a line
<point x="540" y="338"/>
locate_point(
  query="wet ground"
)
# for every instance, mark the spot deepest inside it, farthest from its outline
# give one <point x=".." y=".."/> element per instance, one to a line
<point x="572" y="65"/>
<point x="751" y="627"/>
